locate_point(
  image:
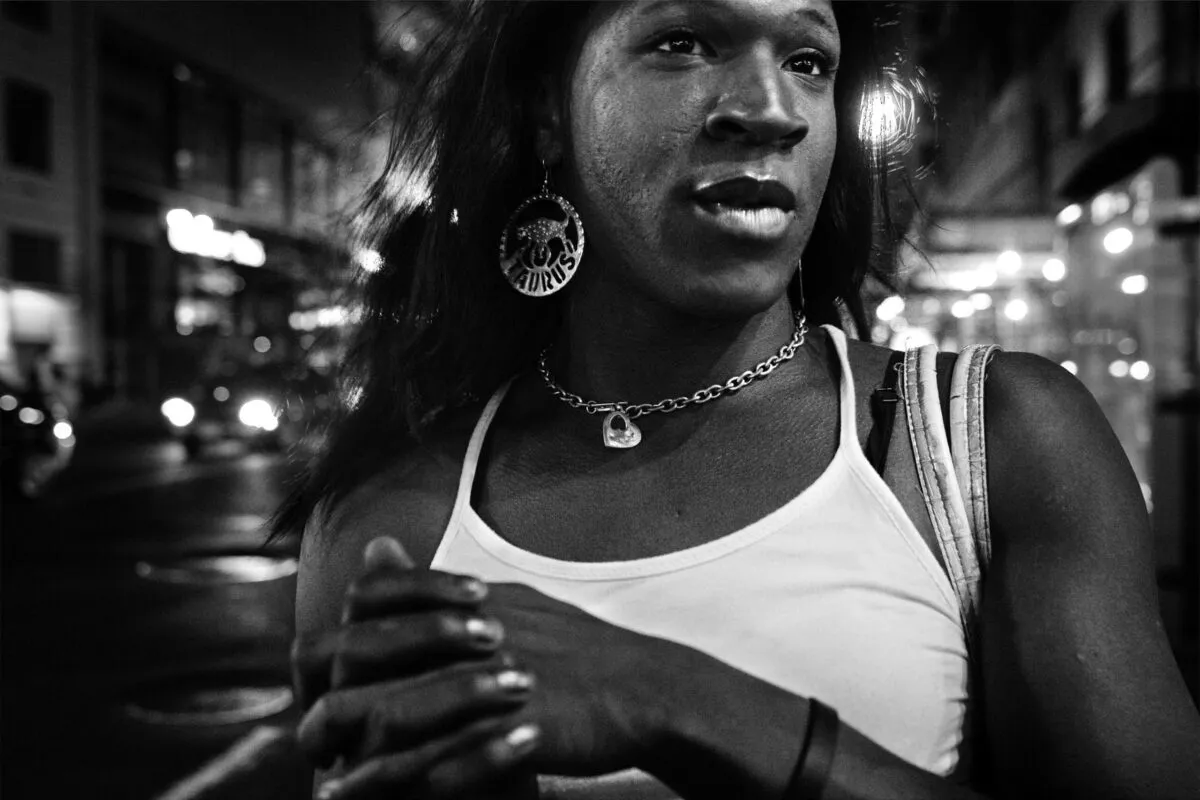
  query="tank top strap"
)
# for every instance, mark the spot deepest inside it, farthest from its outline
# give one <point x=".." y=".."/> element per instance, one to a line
<point x="471" y="461"/>
<point x="848" y="416"/>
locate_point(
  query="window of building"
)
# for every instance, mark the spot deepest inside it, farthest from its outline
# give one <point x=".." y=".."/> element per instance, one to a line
<point x="262" y="161"/>
<point x="27" y="126"/>
<point x="205" y="162"/>
<point x="1116" y="52"/>
<point x="1073" y="101"/>
<point x="134" y="122"/>
<point x="313" y="174"/>
<point x="34" y="257"/>
<point x="31" y="14"/>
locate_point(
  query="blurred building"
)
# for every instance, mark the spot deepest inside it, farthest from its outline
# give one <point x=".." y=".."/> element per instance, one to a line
<point x="48" y="188"/>
<point x="1062" y="218"/>
<point x="174" y="178"/>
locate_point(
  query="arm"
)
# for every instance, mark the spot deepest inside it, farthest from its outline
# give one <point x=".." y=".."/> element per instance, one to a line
<point x="1088" y="699"/>
<point x="1082" y="696"/>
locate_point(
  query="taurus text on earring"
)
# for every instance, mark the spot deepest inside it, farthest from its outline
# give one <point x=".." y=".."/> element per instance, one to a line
<point x="542" y="243"/>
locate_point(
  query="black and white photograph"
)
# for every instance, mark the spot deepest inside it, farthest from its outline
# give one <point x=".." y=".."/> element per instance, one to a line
<point x="617" y="400"/>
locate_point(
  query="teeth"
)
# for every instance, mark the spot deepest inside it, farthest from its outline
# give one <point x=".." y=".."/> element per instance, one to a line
<point x="758" y="221"/>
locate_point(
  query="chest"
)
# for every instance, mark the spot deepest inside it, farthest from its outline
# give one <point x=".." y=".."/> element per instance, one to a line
<point x="691" y="481"/>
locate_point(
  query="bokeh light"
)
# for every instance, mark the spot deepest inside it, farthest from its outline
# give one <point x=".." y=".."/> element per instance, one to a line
<point x="1070" y="214"/>
<point x="1054" y="270"/>
<point x="1134" y="284"/>
<point x="1016" y="310"/>
<point x="1118" y="240"/>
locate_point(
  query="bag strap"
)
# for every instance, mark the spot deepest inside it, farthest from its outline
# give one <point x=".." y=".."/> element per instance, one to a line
<point x="883" y="412"/>
<point x="967" y="443"/>
<point x="939" y="483"/>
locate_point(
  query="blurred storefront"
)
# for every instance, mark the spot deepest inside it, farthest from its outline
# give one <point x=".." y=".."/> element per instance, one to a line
<point x="117" y="115"/>
<point x="219" y="216"/>
<point x="47" y="220"/>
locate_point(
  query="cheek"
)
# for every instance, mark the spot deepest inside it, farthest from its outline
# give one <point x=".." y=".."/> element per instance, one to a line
<point x="821" y="146"/>
<point x="626" y="139"/>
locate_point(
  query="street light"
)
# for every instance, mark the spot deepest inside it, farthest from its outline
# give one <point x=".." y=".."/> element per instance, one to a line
<point x="879" y="123"/>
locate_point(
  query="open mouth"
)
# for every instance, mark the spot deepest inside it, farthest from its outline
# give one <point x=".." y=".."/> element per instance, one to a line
<point x="746" y="206"/>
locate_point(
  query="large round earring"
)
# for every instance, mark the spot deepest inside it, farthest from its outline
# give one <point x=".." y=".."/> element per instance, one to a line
<point x="542" y="243"/>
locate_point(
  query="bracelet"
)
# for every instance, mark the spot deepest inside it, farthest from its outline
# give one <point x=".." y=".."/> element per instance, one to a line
<point x="816" y="754"/>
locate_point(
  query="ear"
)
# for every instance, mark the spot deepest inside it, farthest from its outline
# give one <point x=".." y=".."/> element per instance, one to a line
<point x="548" y="116"/>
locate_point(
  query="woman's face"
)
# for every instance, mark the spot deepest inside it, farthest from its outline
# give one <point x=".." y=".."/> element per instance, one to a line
<point x="701" y="139"/>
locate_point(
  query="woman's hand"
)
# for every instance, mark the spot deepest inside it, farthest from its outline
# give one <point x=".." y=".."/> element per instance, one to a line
<point x="424" y="654"/>
<point x="601" y="689"/>
<point x="412" y="690"/>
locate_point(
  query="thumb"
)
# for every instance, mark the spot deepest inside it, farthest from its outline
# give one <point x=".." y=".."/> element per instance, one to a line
<point x="384" y="551"/>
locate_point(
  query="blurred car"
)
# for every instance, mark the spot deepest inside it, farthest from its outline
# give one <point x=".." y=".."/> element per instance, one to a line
<point x="36" y="441"/>
<point x="269" y="407"/>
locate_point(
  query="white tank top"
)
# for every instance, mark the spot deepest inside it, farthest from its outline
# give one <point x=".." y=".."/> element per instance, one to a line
<point x="834" y="595"/>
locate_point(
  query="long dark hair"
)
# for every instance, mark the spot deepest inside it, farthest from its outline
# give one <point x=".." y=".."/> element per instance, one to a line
<point x="440" y="328"/>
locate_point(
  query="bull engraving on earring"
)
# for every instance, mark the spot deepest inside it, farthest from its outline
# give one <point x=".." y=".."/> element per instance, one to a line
<point x="539" y="253"/>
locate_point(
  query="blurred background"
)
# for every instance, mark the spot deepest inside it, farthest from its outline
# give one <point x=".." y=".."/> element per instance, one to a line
<point x="173" y="248"/>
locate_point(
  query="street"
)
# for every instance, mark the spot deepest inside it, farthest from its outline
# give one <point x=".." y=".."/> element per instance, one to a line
<point x="145" y="627"/>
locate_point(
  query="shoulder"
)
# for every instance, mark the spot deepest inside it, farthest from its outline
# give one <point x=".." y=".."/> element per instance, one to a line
<point x="411" y="499"/>
<point x="1045" y="430"/>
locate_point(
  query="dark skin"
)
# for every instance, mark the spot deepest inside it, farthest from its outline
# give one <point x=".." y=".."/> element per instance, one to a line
<point x="1082" y="695"/>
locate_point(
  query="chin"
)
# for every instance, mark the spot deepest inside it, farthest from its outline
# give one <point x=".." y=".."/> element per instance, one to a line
<point x="734" y="293"/>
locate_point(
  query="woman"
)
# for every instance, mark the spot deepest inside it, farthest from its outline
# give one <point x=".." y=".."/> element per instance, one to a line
<point x="721" y="599"/>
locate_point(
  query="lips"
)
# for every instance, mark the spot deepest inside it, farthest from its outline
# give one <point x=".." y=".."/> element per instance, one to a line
<point x="746" y="207"/>
<point x="746" y="192"/>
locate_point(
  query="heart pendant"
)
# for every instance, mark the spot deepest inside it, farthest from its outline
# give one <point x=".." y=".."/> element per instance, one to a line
<point x="620" y="438"/>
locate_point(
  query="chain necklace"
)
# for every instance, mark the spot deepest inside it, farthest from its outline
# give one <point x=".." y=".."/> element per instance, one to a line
<point x="629" y="435"/>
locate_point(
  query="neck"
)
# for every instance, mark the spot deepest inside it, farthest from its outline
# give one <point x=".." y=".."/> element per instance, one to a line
<point x="615" y="349"/>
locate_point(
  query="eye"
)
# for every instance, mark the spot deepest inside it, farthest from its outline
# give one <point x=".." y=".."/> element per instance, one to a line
<point x="812" y="63"/>
<point x="681" y="42"/>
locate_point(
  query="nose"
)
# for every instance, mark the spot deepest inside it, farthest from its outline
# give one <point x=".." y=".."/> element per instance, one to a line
<point x="758" y="105"/>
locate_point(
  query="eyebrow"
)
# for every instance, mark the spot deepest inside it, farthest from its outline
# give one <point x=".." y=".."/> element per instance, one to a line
<point x="805" y="16"/>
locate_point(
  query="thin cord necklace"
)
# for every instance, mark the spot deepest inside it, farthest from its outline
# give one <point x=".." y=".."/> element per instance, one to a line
<point x="630" y="435"/>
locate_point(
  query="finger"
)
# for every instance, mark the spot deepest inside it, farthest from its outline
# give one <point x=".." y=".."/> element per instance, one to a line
<point x="397" y="647"/>
<point x="389" y="649"/>
<point x="367" y="721"/>
<point x="389" y="592"/>
<point x="384" y="551"/>
<point x="482" y="755"/>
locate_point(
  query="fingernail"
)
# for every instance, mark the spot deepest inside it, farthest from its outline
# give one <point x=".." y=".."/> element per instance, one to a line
<point x="511" y="680"/>
<point x="484" y="632"/>
<point x="522" y="739"/>
<point x="473" y="589"/>
<point x="329" y="790"/>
